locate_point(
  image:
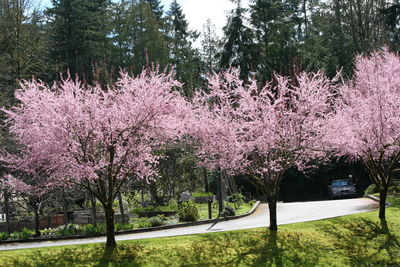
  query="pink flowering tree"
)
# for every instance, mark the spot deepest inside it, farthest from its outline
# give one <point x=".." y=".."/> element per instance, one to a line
<point x="35" y="190"/>
<point x="366" y="126"/>
<point x="262" y="132"/>
<point x="94" y="138"/>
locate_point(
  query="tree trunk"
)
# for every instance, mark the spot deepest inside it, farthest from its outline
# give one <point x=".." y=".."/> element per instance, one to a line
<point x="37" y="219"/>
<point x="273" y="226"/>
<point x="7" y="210"/>
<point x="382" y="203"/>
<point x="121" y="207"/>
<point x="65" y="209"/>
<point x="206" y="185"/>
<point x="109" y="212"/>
<point x="93" y="201"/>
<point x="220" y="192"/>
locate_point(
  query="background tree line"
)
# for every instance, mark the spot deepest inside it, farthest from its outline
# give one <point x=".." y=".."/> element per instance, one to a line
<point x="94" y="39"/>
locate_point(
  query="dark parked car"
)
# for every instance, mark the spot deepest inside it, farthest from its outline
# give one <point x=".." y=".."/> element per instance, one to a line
<point x="341" y="188"/>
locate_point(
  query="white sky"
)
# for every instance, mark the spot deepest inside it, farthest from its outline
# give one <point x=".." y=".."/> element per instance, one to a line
<point x="196" y="11"/>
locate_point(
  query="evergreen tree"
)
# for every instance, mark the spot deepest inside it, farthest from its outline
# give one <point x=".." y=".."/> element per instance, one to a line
<point x="238" y="46"/>
<point x="391" y="17"/>
<point x="185" y="60"/>
<point x="80" y="31"/>
<point x="276" y="27"/>
<point x="23" y="46"/>
<point x="157" y="9"/>
<point x="210" y="46"/>
<point x="122" y="25"/>
<point x="148" y="43"/>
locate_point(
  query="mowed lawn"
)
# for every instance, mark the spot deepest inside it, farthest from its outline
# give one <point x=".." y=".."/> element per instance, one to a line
<point x="356" y="240"/>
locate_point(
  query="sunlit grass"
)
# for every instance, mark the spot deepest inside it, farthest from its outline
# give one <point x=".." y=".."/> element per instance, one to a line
<point x="355" y="240"/>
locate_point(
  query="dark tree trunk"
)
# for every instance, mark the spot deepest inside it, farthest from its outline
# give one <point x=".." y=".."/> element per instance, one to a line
<point x="109" y="212"/>
<point x="154" y="194"/>
<point x="273" y="226"/>
<point x="65" y="209"/>
<point x="7" y="210"/>
<point x="37" y="219"/>
<point x="121" y="207"/>
<point x="220" y="193"/>
<point x="382" y="203"/>
<point x="93" y="201"/>
<point x="206" y="185"/>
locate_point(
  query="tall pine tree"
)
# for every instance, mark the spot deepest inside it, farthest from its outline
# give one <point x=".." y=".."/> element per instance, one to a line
<point x="275" y="23"/>
<point x="80" y="30"/>
<point x="238" y="47"/>
<point x="210" y="46"/>
<point x="185" y="60"/>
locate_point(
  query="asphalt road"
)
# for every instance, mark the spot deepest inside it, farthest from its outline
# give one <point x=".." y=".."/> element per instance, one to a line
<point x="287" y="213"/>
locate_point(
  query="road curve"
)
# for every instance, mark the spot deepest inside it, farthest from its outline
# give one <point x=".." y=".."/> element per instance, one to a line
<point x="287" y="213"/>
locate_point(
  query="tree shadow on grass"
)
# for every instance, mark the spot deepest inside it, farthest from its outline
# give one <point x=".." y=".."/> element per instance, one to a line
<point x="98" y="255"/>
<point x="365" y="241"/>
<point x="263" y="248"/>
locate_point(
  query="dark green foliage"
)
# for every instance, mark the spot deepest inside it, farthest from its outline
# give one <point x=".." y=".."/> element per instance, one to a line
<point x="228" y="211"/>
<point x="123" y="226"/>
<point x="188" y="212"/>
<point x="68" y="230"/>
<point x="79" y="31"/>
<point x="157" y="9"/>
<point x="239" y="50"/>
<point x="25" y="233"/>
<point x="391" y="16"/>
<point x="313" y="184"/>
<point x="4" y="235"/>
<point x="23" y="46"/>
<point x="149" y="46"/>
<point x="210" y="47"/>
<point x="276" y="26"/>
<point x="183" y="57"/>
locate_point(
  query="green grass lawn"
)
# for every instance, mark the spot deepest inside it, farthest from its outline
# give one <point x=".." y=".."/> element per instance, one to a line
<point x="203" y="209"/>
<point x="356" y="240"/>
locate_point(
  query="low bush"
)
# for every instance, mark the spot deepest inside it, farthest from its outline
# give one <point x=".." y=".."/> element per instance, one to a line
<point x="4" y="236"/>
<point x="156" y="221"/>
<point x="188" y="212"/>
<point x="228" y="211"/>
<point x="123" y="226"/>
<point x="88" y="229"/>
<point x="25" y="233"/>
<point x="68" y="230"/>
<point x="142" y="223"/>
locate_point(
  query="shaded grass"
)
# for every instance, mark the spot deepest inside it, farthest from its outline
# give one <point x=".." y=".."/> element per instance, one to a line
<point x="356" y="240"/>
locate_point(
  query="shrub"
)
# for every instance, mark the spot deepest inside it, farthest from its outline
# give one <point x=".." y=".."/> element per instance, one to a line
<point x="47" y="232"/>
<point x="4" y="235"/>
<point x="101" y="228"/>
<point x="123" y="226"/>
<point x="68" y="230"/>
<point x="228" y="211"/>
<point x="188" y="212"/>
<point x="156" y="221"/>
<point x="88" y="229"/>
<point x="143" y="223"/>
<point x="24" y="234"/>
<point x="252" y="202"/>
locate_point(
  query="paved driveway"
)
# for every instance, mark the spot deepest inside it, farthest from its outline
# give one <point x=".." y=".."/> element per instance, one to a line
<point x="287" y="213"/>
